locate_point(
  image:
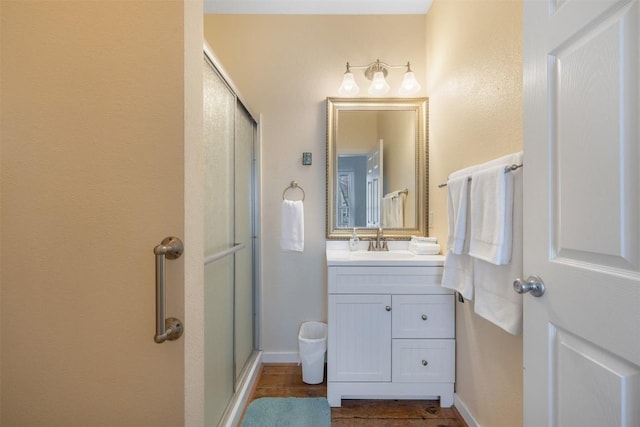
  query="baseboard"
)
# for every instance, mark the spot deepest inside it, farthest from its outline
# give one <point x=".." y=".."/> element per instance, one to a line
<point x="235" y="409"/>
<point x="464" y="411"/>
<point x="280" y="357"/>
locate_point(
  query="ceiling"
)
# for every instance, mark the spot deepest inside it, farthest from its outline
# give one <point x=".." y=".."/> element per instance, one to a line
<point x="318" y="7"/>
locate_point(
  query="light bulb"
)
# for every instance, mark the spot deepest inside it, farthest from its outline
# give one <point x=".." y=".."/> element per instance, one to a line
<point x="410" y="85"/>
<point x="379" y="85"/>
<point x="348" y="86"/>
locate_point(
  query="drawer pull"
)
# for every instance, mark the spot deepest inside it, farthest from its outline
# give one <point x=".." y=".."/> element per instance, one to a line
<point x="424" y="317"/>
<point x="425" y="363"/>
<point x="388" y="308"/>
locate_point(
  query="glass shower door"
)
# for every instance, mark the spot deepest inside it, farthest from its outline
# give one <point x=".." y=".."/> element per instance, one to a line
<point x="244" y="226"/>
<point x="229" y="266"/>
<point x="219" y="265"/>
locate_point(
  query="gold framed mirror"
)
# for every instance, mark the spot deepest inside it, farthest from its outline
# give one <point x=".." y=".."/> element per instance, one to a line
<point x="377" y="167"/>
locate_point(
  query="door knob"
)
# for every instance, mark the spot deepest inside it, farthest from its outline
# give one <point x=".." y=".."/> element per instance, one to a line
<point x="533" y="284"/>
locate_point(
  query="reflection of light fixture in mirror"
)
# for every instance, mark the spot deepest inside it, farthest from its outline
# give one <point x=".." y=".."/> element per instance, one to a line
<point x="377" y="72"/>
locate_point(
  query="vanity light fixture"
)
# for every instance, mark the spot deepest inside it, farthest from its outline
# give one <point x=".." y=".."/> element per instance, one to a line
<point x="377" y="72"/>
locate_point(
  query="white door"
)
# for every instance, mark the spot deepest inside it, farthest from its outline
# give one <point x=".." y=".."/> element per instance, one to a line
<point x="582" y="237"/>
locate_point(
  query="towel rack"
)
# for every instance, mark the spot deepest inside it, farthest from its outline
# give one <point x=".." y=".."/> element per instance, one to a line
<point x="509" y="168"/>
<point x="400" y="192"/>
<point x="293" y="186"/>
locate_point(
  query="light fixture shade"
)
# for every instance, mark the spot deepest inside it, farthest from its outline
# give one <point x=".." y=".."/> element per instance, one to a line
<point x="410" y="85"/>
<point x="348" y="86"/>
<point x="379" y="85"/>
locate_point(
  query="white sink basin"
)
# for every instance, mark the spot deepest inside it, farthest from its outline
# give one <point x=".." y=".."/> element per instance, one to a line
<point x="382" y="258"/>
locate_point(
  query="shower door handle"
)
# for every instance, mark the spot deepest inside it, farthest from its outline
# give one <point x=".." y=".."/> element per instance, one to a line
<point x="169" y="328"/>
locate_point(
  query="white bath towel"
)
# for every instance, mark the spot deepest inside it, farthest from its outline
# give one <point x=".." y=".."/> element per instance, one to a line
<point x="490" y="208"/>
<point x="292" y="226"/>
<point x="458" y="265"/>
<point x="495" y="299"/>
<point x="458" y="274"/>
<point x="457" y="194"/>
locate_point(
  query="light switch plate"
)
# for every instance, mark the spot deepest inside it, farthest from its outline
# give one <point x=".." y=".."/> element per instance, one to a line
<point x="306" y="158"/>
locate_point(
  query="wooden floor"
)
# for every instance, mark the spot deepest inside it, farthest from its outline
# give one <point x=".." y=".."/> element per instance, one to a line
<point x="285" y="380"/>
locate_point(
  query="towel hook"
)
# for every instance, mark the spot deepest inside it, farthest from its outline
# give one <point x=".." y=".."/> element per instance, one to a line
<point x="293" y="186"/>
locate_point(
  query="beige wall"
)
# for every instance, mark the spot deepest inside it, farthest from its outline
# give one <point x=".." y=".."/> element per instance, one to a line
<point x="285" y="67"/>
<point x="474" y="63"/>
<point x="92" y="179"/>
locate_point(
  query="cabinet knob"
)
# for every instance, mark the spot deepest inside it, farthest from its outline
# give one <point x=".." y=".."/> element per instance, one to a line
<point x="388" y="308"/>
<point x="424" y="317"/>
<point x="425" y="363"/>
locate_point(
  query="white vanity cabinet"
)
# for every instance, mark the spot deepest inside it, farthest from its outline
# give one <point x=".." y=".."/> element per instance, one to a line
<point x="391" y="333"/>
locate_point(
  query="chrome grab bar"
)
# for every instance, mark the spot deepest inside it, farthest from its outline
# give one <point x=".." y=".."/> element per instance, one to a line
<point x="169" y="328"/>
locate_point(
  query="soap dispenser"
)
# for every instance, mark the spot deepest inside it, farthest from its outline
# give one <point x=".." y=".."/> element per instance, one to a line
<point x="354" y="241"/>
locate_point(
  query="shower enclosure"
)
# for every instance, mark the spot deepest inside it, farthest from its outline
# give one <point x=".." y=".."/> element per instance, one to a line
<point x="230" y="252"/>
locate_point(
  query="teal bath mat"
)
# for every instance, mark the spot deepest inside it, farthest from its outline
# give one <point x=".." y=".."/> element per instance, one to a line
<point x="288" y="412"/>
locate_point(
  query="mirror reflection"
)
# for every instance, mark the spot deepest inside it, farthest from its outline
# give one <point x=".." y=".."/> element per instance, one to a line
<point x="376" y="169"/>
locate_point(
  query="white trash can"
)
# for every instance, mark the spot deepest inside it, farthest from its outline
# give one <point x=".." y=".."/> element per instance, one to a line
<point x="312" y="343"/>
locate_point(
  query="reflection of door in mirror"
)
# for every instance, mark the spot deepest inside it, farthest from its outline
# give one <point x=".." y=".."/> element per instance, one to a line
<point x="374" y="185"/>
<point x="345" y="202"/>
<point x="350" y="201"/>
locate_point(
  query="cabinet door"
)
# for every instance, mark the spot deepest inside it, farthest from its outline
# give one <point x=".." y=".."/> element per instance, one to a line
<point x="359" y="346"/>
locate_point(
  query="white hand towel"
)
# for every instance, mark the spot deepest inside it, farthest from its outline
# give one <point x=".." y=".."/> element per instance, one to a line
<point x="420" y="248"/>
<point x="495" y="299"/>
<point x="491" y="211"/>
<point x="292" y="226"/>
<point x="421" y="239"/>
<point x="457" y="194"/>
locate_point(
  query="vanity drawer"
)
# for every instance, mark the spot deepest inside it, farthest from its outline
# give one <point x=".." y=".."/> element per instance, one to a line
<point x="418" y="361"/>
<point x="423" y="316"/>
<point x="386" y="280"/>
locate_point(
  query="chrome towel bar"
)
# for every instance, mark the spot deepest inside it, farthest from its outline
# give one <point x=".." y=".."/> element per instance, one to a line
<point x="506" y="169"/>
